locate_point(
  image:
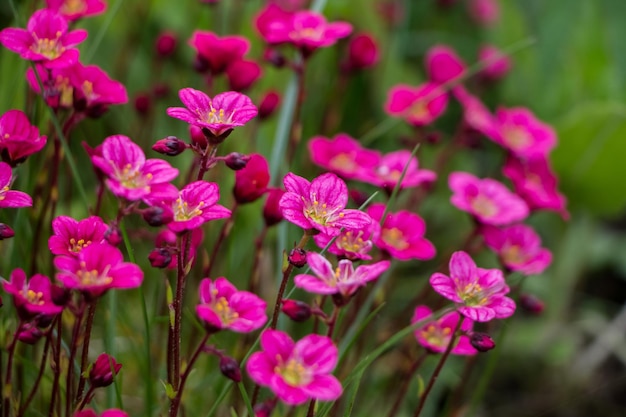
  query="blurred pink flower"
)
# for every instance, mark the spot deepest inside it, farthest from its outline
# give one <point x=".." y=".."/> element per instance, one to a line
<point x="195" y="205"/>
<point x="10" y="198"/>
<point x="488" y="200"/>
<point x="296" y="372"/>
<point x="388" y="171"/>
<point x="484" y="12"/>
<point x="93" y="86"/>
<point x="31" y="296"/>
<point x="523" y="134"/>
<point x="269" y="103"/>
<point x="497" y="64"/>
<point x="519" y="248"/>
<point x="477" y="115"/>
<point x="272" y="14"/>
<point x="222" y="306"/>
<point x="96" y="269"/>
<point x="443" y="64"/>
<point x="130" y="175"/>
<point x="435" y="336"/>
<point x="271" y="209"/>
<point x="58" y="90"/>
<point x="242" y="74"/>
<point x="103" y="371"/>
<point x="251" y="181"/>
<point x="217" y="53"/>
<point x="402" y="234"/>
<point x="343" y="155"/>
<point x="362" y="53"/>
<point x="419" y="106"/>
<point x="46" y="39"/>
<point x="18" y="138"/>
<point x="344" y="279"/>
<point x="480" y="294"/>
<point x="113" y="412"/>
<point x="351" y="244"/>
<point x="70" y="236"/>
<point x="537" y="184"/>
<point x="219" y="116"/>
<point x="320" y="204"/>
<point x="75" y="9"/>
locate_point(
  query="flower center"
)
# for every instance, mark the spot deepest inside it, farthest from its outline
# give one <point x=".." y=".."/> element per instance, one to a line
<point x="223" y="310"/>
<point x="394" y="238"/>
<point x="73" y="7"/>
<point x="294" y="373"/>
<point x="313" y="34"/>
<point x="473" y="294"/>
<point x="343" y="162"/>
<point x="418" y="110"/>
<point x="513" y="255"/>
<point x="3" y="192"/>
<point x="87" y="88"/>
<point x="436" y="335"/>
<point x="320" y="213"/>
<point x="50" y="48"/>
<point x="78" y="245"/>
<point x="217" y="116"/>
<point x="131" y="177"/>
<point x="33" y="297"/>
<point x="351" y="242"/>
<point x="93" y="277"/>
<point x="388" y="174"/>
<point x="484" y="206"/>
<point x="516" y="138"/>
<point x="183" y="212"/>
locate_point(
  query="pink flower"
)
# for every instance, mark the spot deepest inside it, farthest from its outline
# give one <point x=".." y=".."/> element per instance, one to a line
<point x="296" y="372"/>
<point x="46" y="39"/>
<point x="477" y="116"/>
<point x="8" y="197"/>
<point x="537" y="184"/>
<point x="497" y="64"/>
<point x="320" y="204"/>
<point x="484" y="12"/>
<point x="362" y="53"/>
<point x="130" y="175"/>
<point x="75" y="9"/>
<point x="222" y="306"/>
<point x="251" y="182"/>
<point x="113" y="412"/>
<point x="344" y="280"/>
<point x="419" y="106"/>
<point x="351" y="244"/>
<point x="271" y="209"/>
<point x="219" y="116"/>
<point x="58" y="90"/>
<point x="31" y="297"/>
<point x="489" y="201"/>
<point x="402" y="234"/>
<point x="71" y="236"/>
<point x="195" y="205"/>
<point x="523" y="134"/>
<point x="96" y="269"/>
<point x="217" y="53"/>
<point x="443" y="64"/>
<point x="435" y="336"/>
<point x="479" y="293"/>
<point x="519" y="248"/>
<point x="18" y="138"/>
<point x="93" y="88"/>
<point x="343" y="155"/>
<point x="269" y="103"/>
<point x="243" y="74"/>
<point x="389" y="169"/>
<point x="307" y="31"/>
<point x="272" y="14"/>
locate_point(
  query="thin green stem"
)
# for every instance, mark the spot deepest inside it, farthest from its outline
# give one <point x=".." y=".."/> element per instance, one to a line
<point x="91" y="313"/>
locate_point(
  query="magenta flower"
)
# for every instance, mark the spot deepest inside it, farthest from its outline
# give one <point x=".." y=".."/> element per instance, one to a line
<point x="8" y="197"/>
<point x="46" y="39"/>
<point x="96" y="269"/>
<point x="351" y="244"/>
<point x="222" y="306"/>
<point x="75" y="9"/>
<point x="130" y="175"/>
<point x="537" y="184"/>
<point x="443" y="64"/>
<point x="402" y="234"/>
<point x="419" y="106"/>
<point x="477" y="115"/>
<point x="272" y="14"/>
<point x="307" y="31"/>
<point x="497" y="64"/>
<point x="58" y="90"/>
<point x="18" y="138"/>
<point x="219" y="116"/>
<point x="523" y="135"/>
<point x="217" y="53"/>
<point x="489" y="201"/>
<point x="320" y="204"/>
<point x="388" y="171"/>
<point x="518" y="247"/>
<point x="435" y="336"/>
<point x="113" y="412"/>
<point x="480" y="294"/>
<point x="343" y="155"/>
<point x="93" y="86"/>
<point x="31" y="297"/>
<point x="296" y="372"/>
<point x="362" y="53"/>
<point x="243" y="74"/>
<point x="72" y="236"/>
<point x="484" y="12"/>
<point x="195" y="205"/>
<point x="344" y="280"/>
<point x="251" y="181"/>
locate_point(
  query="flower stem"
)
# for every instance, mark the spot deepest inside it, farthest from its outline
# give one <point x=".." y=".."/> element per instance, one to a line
<point x="224" y="232"/>
<point x="91" y="313"/>
<point x="437" y="370"/>
<point x="183" y="247"/>
<point x="405" y="385"/>
<point x="8" y="391"/>
<point x="175" y="405"/>
<point x="56" y="352"/>
<point x="42" y="367"/>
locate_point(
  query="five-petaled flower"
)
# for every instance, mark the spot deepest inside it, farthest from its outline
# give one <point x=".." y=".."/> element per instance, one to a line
<point x="18" y="138"/>
<point x="222" y="306"/>
<point x="436" y="334"/>
<point x="480" y="294"/>
<point x="296" y="371"/>
<point x="8" y="197"/>
<point x="31" y="297"/>
<point x="419" y="106"/>
<point x="71" y="236"/>
<point x="75" y="9"/>
<point x="320" y="204"/>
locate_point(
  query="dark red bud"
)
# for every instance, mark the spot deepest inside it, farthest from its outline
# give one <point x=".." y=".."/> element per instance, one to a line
<point x="274" y="57"/>
<point x="230" y="368"/>
<point x="103" y="371"/>
<point x="242" y="74"/>
<point x="29" y="334"/>
<point x="161" y="90"/>
<point x="6" y="232"/>
<point x="531" y="303"/>
<point x="265" y="408"/>
<point x="362" y="53"/>
<point x="165" y="238"/>
<point x="297" y="257"/>
<point x="160" y="258"/>
<point x="198" y="138"/>
<point x="165" y="44"/>
<point x="271" y="210"/>
<point x="236" y="161"/>
<point x="170" y="146"/>
<point x="157" y="216"/>
<point x="201" y="65"/>
<point x="296" y="310"/>
<point x="143" y="103"/>
<point x="482" y="342"/>
<point x="268" y="104"/>
<point x="113" y="236"/>
<point x="60" y="295"/>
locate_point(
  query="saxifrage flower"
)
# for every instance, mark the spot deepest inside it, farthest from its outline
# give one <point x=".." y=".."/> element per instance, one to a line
<point x="8" y="197"/>
<point x="70" y="236"/>
<point x="435" y="335"/>
<point x="31" y="296"/>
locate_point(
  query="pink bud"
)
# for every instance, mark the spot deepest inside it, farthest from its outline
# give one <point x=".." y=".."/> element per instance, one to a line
<point x="230" y="368"/>
<point x="297" y="257"/>
<point x="271" y="210"/>
<point x="482" y="342"/>
<point x="296" y="310"/>
<point x="362" y="52"/>
<point x="268" y="105"/>
<point x="160" y="258"/>
<point x="274" y="57"/>
<point x="251" y="182"/>
<point x="103" y="371"/>
<point x="29" y="334"/>
<point x="484" y="12"/>
<point x="242" y="74"/>
<point x="236" y="161"/>
<point x="198" y="138"/>
<point x="170" y="146"/>
<point x="6" y="232"/>
<point x="142" y="103"/>
<point x="443" y="64"/>
<point x="531" y="304"/>
<point x="497" y="64"/>
<point x="113" y="235"/>
<point x="165" y="44"/>
<point x="157" y="216"/>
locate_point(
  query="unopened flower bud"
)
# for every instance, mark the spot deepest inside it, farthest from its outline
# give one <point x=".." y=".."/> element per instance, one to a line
<point x="297" y="257"/>
<point x="143" y="103"/>
<point x="165" y="238"/>
<point x="296" y="310"/>
<point x="157" y="216"/>
<point x="242" y="74"/>
<point x="165" y="44"/>
<point x="170" y="146"/>
<point x="497" y="64"/>
<point x="236" y="161"/>
<point x="201" y="65"/>
<point x="29" y="334"/>
<point x="268" y="104"/>
<point x="160" y="258"/>
<point x="6" y="232"/>
<point x="251" y="182"/>
<point x="274" y="57"/>
<point x="103" y="371"/>
<point x="271" y="210"/>
<point x="362" y="53"/>
<point x="113" y="236"/>
<point x="531" y="304"/>
<point x="265" y="408"/>
<point x="160" y="90"/>
<point x="198" y="138"/>
<point x="482" y="342"/>
<point x="230" y="368"/>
